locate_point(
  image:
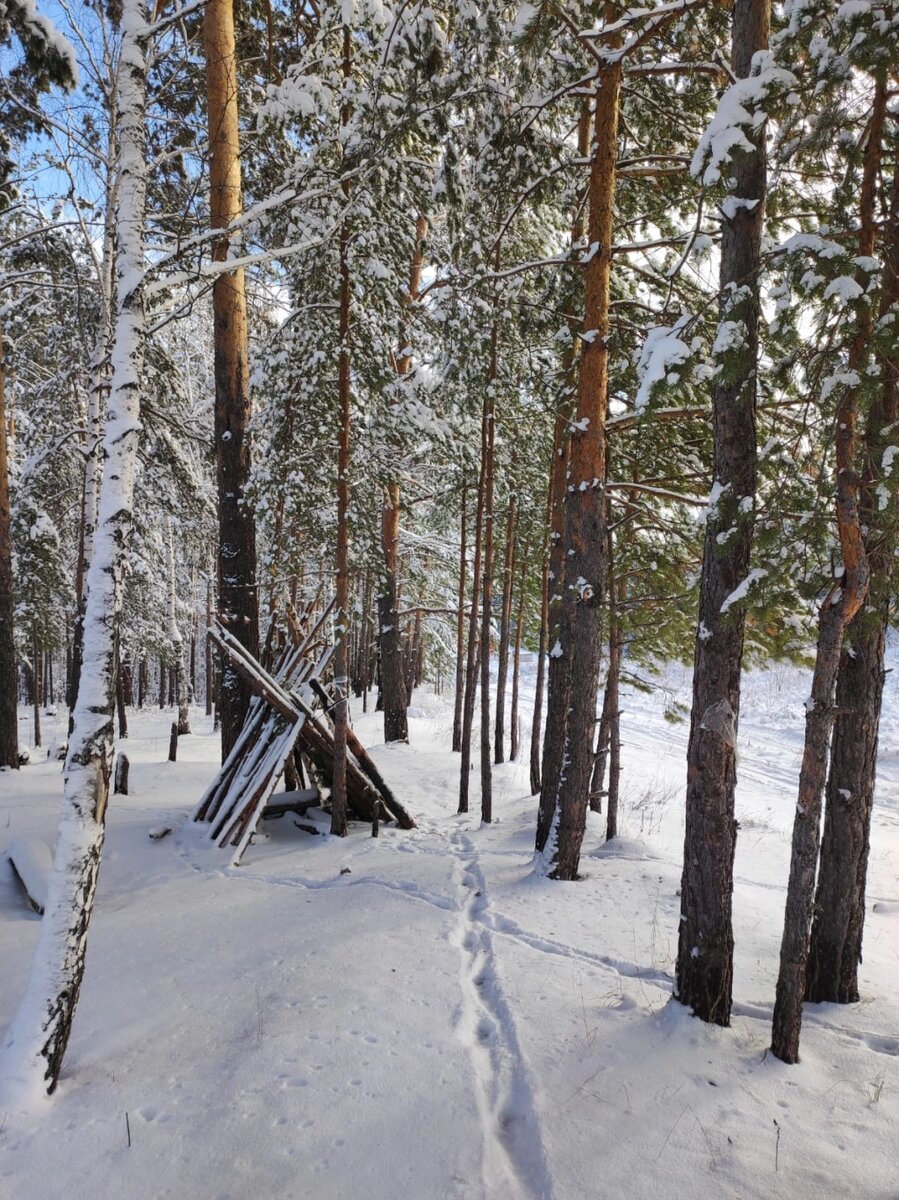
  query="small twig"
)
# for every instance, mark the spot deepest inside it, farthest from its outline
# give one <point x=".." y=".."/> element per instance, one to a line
<point x="128" y="1130"/>
<point x="776" y="1146"/>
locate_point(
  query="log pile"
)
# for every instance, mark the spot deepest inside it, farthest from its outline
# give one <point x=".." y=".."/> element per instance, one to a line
<point x="286" y="734"/>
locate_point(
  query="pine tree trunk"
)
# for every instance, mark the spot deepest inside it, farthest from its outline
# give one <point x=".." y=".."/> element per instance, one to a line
<point x="179" y="672"/>
<point x="36" y="684"/>
<point x="586" y="548"/>
<point x="505" y="632"/>
<point x="844" y="601"/>
<point x="9" y="717"/>
<point x="613" y="695"/>
<point x="36" y="1041"/>
<point x="557" y="696"/>
<point x="127" y="680"/>
<point x="460" y="624"/>
<point x="120" y="704"/>
<point x="471" y="678"/>
<point x="553" y="486"/>
<point x="341" y="663"/>
<point x="394" y="697"/>
<point x="487" y="583"/>
<point x="394" y="692"/>
<point x="514" y="719"/>
<point x="207" y="649"/>
<point x="238" y="595"/>
<point x="705" y="948"/>
<point x="839" y="909"/>
<point x="836" y="943"/>
<point x="557" y="678"/>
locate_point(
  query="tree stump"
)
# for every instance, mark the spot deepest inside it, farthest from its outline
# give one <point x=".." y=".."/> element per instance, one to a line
<point x="173" y="743"/>
<point x="121" y="775"/>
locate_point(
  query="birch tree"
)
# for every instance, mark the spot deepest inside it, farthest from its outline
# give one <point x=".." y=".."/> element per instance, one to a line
<point x="36" y="1042"/>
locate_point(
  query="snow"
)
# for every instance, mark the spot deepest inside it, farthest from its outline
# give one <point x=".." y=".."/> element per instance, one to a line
<point x="443" y="1021"/>
<point x="741" y="591"/>
<point x="738" y="119"/>
<point x="43" y="30"/>
<point x="843" y="289"/>
<point x="662" y="355"/>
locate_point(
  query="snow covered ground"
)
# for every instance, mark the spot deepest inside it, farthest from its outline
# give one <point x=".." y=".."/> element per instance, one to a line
<point x="438" y="1022"/>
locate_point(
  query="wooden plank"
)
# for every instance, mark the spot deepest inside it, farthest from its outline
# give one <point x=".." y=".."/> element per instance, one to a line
<point x="369" y="768"/>
<point x="296" y="802"/>
<point x="265" y="792"/>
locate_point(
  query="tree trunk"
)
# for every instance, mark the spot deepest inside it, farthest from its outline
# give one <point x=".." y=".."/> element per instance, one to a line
<point x="586" y="549"/>
<point x="36" y="1041"/>
<point x="839" y="910"/>
<point x="844" y="600"/>
<point x="36" y="683"/>
<point x="207" y="649"/>
<point x="120" y="787"/>
<point x="505" y="631"/>
<point x="514" y="719"/>
<point x="120" y="703"/>
<point x="487" y="582"/>
<point x="556" y="484"/>
<point x="394" y="691"/>
<point x="460" y="624"/>
<point x="836" y="943"/>
<point x="394" y="697"/>
<point x="557" y="674"/>
<point x="341" y="664"/>
<point x="96" y="402"/>
<point x="238" y="595"/>
<point x="705" y="947"/>
<point x="613" y="696"/>
<point x="9" y="716"/>
<point x="179" y="672"/>
<point x="471" y="680"/>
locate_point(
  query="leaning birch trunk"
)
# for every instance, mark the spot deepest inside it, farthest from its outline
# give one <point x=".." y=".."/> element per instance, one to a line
<point x="96" y="405"/>
<point x="36" y="1042"/>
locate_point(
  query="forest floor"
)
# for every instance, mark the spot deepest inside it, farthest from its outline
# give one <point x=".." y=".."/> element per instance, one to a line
<point x="440" y="1022"/>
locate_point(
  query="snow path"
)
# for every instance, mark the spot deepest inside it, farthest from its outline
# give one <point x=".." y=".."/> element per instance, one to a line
<point x="514" y="1162"/>
<point x="423" y="1015"/>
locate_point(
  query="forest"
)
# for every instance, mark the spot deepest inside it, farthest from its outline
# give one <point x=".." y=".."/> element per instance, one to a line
<point x="449" y="461"/>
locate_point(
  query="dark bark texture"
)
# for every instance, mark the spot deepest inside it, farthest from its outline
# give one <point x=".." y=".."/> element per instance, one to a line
<point x="705" y="948"/>
<point x="586" y="544"/>
<point x="836" y="945"/>
<point x="238" y="597"/>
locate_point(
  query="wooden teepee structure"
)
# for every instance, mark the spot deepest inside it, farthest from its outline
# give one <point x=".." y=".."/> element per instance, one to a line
<point x="286" y="733"/>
